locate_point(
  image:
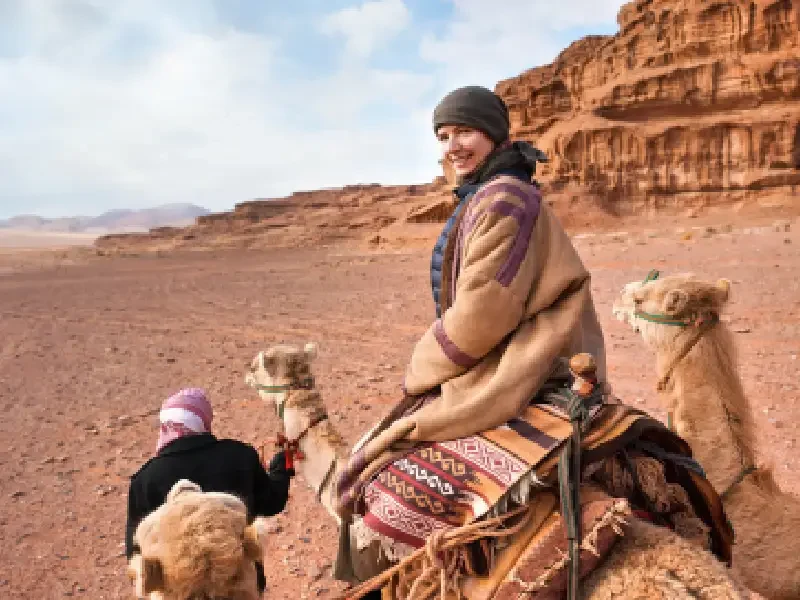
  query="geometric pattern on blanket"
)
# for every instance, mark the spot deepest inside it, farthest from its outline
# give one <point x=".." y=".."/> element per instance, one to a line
<point x="442" y="485"/>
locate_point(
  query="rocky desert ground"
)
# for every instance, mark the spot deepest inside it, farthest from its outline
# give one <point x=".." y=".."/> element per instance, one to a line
<point x="90" y="346"/>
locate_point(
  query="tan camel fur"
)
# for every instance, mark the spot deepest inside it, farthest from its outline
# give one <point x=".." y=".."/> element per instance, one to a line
<point x="195" y="546"/>
<point x="704" y="393"/>
<point x="649" y="562"/>
<point x="325" y="451"/>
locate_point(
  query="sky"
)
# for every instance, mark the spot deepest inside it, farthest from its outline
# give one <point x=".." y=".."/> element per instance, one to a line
<point x="109" y="104"/>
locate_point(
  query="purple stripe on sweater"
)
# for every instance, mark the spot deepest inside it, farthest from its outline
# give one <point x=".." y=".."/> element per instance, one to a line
<point x="498" y="187"/>
<point x="531" y="200"/>
<point x="527" y="219"/>
<point x="451" y="351"/>
<point x="507" y="209"/>
<point x="490" y="189"/>
<point x="525" y="215"/>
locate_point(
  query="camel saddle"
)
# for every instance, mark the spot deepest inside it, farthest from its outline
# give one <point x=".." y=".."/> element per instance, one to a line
<point x="537" y="459"/>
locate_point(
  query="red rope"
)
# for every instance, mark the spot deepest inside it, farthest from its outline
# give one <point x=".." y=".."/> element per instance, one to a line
<point x="291" y="450"/>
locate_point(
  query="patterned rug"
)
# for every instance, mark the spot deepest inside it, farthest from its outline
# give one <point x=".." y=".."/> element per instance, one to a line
<point x="448" y="484"/>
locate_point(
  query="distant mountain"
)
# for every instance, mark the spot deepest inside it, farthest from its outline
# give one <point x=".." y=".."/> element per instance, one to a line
<point x="117" y="220"/>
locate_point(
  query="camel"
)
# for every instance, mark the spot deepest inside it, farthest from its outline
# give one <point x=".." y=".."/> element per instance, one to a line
<point x="196" y="545"/>
<point x="678" y="317"/>
<point x="647" y="562"/>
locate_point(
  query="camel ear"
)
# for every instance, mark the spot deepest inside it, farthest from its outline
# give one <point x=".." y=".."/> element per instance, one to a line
<point x="675" y="302"/>
<point x="181" y="487"/>
<point x="723" y="288"/>
<point x="310" y="350"/>
<point x="152" y="575"/>
<point x="252" y="545"/>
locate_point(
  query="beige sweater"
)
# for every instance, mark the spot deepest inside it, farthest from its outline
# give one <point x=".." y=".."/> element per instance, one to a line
<point x="515" y="298"/>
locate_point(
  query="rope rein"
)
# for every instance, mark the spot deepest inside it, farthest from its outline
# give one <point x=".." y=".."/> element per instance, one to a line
<point x="739" y="478"/>
<point x="436" y="566"/>
<point x="703" y="324"/>
<point x="291" y="448"/>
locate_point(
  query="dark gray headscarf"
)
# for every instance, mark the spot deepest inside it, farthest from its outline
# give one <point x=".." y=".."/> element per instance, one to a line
<point x="477" y="107"/>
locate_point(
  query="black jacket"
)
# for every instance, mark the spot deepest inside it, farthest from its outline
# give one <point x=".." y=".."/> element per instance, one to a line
<point x="216" y="466"/>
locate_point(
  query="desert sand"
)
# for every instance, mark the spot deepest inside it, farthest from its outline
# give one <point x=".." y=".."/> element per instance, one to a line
<point x="90" y="346"/>
<point x="21" y="239"/>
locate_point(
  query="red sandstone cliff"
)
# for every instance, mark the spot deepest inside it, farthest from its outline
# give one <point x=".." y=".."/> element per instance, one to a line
<point x="691" y="103"/>
<point x="356" y="212"/>
<point x="689" y="99"/>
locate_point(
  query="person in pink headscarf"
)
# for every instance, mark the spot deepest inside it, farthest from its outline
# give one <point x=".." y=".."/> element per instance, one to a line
<point x="186" y="413"/>
<point x="186" y="449"/>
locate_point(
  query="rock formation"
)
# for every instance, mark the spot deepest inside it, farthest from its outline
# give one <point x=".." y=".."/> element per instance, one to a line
<point x="355" y="212"/>
<point x="691" y="102"/>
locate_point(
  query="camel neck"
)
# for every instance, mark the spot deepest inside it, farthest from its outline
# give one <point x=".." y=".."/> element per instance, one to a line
<point x="320" y="446"/>
<point x="710" y="409"/>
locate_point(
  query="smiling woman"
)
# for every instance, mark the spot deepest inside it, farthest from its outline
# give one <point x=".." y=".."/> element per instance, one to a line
<point x="463" y="147"/>
<point x="512" y="297"/>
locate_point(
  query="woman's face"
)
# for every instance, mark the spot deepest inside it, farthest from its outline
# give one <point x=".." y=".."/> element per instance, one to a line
<point x="464" y="147"/>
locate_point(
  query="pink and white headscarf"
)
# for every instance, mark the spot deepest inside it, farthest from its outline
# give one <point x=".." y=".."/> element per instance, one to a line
<point x="186" y="413"/>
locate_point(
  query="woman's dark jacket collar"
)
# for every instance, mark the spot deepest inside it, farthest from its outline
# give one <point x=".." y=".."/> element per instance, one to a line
<point x="514" y="158"/>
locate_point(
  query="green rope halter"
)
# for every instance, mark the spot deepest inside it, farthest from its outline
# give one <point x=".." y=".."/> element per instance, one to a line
<point x="739" y="478"/>
<point x="305" y="384"/>
<point x="272" y="389"/>
<point x="659" y="318"/>
<point x="652" y="276"/>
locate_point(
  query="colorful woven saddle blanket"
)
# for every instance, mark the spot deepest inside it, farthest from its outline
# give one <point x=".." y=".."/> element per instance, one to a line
<point x="443" y="485"/>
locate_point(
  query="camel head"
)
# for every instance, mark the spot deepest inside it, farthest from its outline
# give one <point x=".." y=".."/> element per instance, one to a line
<point x="660" y="308"/>
<point x="196" y="545"/>
<point x="283" y="376"/>
<point x="279" y="368"/>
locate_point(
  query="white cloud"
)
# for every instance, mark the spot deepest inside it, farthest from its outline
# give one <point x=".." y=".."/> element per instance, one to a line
<point x="158" y="130"/>
<point x="135" y="103"/>
<point x="200" y="115"/>
<point x="367" y="26"/>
